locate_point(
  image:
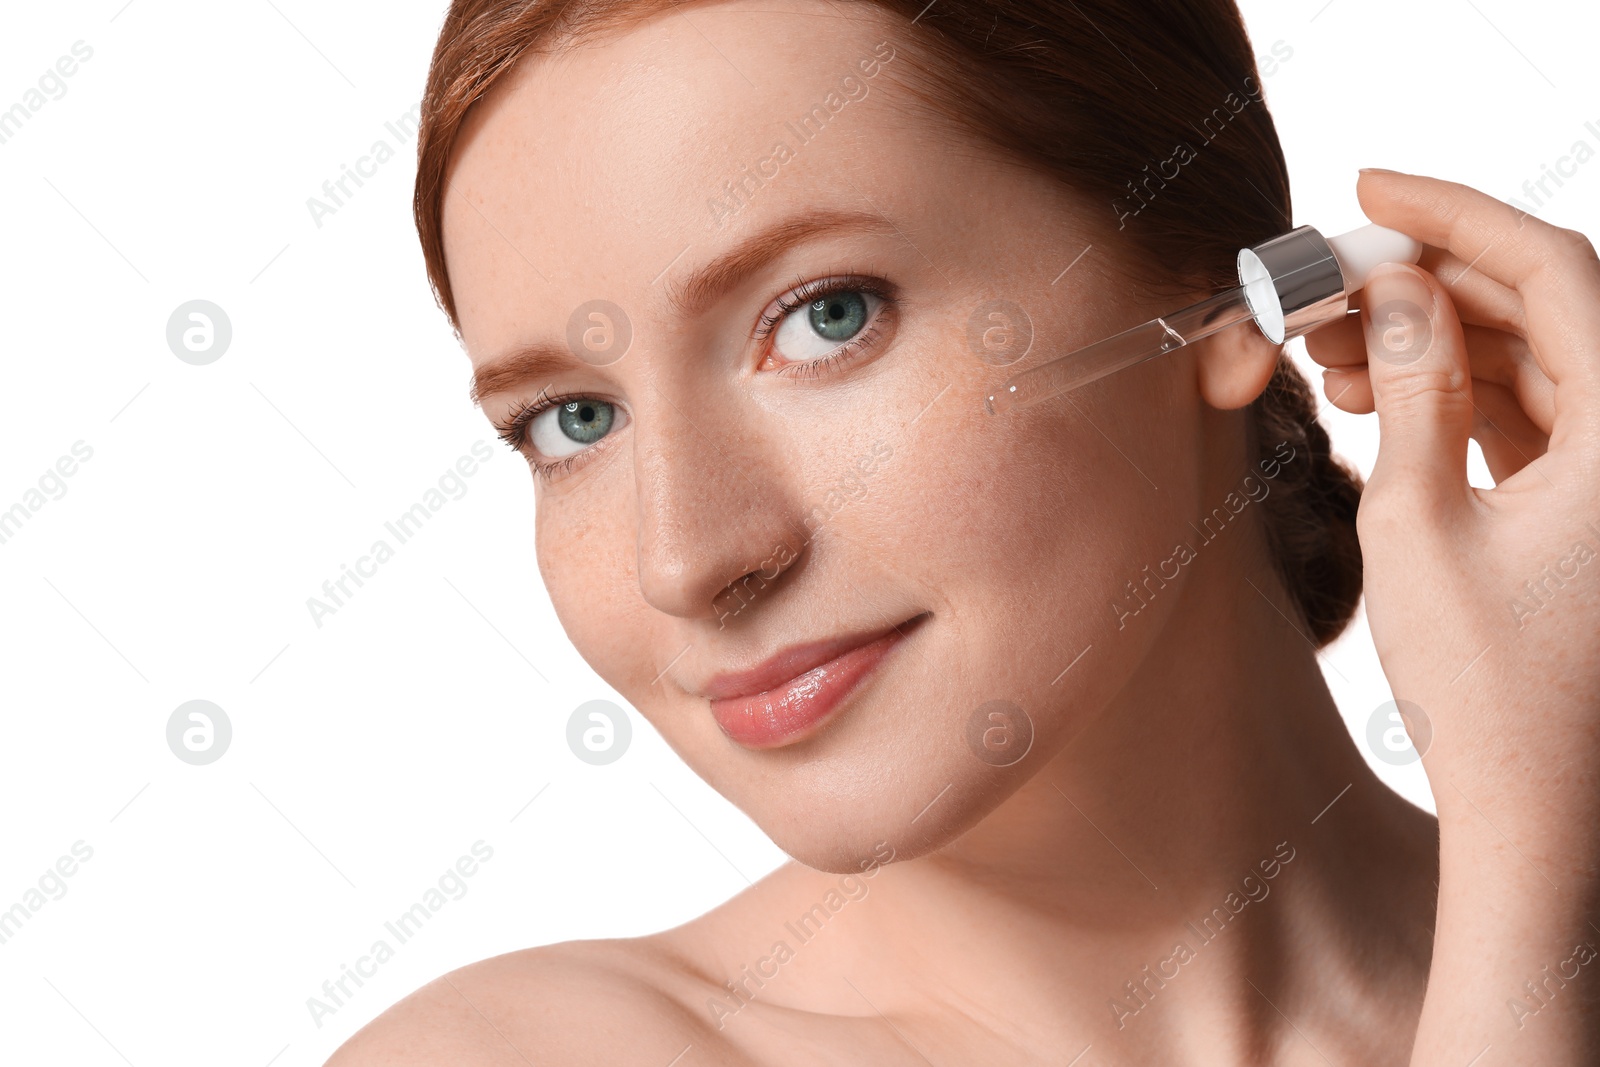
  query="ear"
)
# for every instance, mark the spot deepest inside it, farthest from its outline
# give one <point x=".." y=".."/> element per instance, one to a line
<point x="1235" y="365"/>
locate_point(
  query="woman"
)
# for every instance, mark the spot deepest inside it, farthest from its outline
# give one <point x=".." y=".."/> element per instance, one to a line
<point x="1032" y="700"/>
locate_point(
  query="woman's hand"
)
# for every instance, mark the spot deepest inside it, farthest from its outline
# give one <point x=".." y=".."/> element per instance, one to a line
<point x="1484" y="604"/>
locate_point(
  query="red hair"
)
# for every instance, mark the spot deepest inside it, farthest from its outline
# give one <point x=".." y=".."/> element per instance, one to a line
<point x="1152" y="107"/>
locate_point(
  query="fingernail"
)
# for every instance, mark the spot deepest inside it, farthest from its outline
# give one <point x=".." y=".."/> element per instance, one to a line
<point x="1379" y="170"/>
<point x="1398" y="314"/>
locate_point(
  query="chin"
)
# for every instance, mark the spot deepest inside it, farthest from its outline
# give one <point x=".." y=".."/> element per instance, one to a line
<point x="869" y="793"/>
<point x="910" y="762"/>
<point x="840" y="841"/>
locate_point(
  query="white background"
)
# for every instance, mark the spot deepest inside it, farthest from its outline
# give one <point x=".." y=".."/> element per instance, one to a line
<point x="369" y="754"/>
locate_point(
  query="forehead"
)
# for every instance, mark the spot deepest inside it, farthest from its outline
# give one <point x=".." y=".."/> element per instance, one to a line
<point x="600" y="171"/>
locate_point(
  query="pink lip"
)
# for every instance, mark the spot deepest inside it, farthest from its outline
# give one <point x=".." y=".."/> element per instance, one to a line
<point x="788" y="697"/>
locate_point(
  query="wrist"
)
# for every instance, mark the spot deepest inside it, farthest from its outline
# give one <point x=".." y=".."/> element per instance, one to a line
<point x="1516" y="958"/>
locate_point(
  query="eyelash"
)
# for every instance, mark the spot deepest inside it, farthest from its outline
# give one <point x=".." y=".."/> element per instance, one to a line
<point x="805" y="292"/>
<point x="514" y="432"/>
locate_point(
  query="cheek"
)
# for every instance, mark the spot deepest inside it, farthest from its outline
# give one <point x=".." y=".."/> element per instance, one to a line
<point x="1026" y="530"/>
<point x="1044" y="511"/>
<point x="588" y="559"/>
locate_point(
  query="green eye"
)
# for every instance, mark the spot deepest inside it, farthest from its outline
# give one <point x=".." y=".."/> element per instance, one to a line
<point x="838" y="317"/>
<point x="570" y="427"/>
<point x="822" y="325"/>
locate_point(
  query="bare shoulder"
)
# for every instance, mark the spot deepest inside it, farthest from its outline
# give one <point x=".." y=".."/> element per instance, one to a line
<point x="573" y="1003"/>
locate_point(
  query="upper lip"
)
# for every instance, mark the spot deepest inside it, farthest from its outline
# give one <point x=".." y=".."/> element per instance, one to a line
<point x="788" y="663"/>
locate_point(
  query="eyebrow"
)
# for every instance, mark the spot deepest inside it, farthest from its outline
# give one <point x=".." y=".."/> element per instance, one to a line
<point x="688" y="298"/>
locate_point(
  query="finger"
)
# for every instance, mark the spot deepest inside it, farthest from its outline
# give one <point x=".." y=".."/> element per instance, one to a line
<point x="1479" y="299"/>
<point x="1417" y="363"/>
<point x="1504" y="359"/>
<point x="1555" y="270"/>
<point x="1340" y="343"/>
<point x="1349" y="389"/>
<point x="1499" y="421"/>
<point x="1508" y="438"/>
<point x="1493" y="356"/>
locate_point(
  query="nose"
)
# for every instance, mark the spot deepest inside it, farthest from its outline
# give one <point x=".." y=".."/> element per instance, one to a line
<point x="713" y="511"/>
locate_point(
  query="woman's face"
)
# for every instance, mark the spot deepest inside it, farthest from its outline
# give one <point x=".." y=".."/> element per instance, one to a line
<point x="837" y="455"/>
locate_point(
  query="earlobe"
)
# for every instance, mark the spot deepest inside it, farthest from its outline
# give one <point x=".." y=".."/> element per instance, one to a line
<point x="1235" y="365"/>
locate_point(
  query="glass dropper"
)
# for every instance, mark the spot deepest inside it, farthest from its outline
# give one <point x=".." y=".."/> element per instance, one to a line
<point x="1157" y="337"/>
<point x="1288" y="285"/>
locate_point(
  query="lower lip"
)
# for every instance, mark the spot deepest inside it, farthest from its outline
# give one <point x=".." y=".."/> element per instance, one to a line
<point x="798" y="708"/>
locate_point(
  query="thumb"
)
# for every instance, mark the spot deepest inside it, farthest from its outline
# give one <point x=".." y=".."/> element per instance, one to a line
<point x="1421" y="387"/>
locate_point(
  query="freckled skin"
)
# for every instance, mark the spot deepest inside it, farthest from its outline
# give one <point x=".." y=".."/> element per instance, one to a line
<point x="1184" y="743"/>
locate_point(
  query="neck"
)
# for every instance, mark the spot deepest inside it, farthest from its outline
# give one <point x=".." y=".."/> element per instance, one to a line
<point x="1215" y="817"/>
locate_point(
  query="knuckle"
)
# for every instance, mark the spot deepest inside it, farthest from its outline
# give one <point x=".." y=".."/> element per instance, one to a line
<point x="1575" y="241"/>
<point x="1577" y="247"/>
<point x="1394" y="509"/>
<point x="1385" y="511"/>
<point x="1558" y="249"/>
<point x="1425" y="387"/>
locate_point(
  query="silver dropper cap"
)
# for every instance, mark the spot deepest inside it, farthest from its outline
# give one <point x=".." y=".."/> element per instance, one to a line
<point x="1299" y="280"/>
<point x="1292" y="283"/>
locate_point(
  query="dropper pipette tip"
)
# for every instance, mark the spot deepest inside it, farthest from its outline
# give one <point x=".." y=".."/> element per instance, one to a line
<point x="996" y="403"/>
